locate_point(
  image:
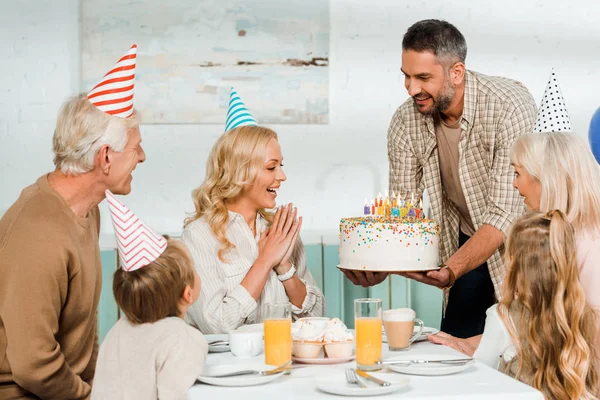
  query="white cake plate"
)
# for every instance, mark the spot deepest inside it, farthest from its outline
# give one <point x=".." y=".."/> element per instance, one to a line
<point x="388" y="271"/>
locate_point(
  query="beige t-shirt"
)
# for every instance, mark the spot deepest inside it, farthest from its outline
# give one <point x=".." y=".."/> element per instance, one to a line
<point x="149" y="361"/>
<point x="447" y="142"/>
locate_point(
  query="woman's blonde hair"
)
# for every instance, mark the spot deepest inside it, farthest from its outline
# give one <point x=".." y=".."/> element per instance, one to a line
<point x="153" y="292"/>
<point x="233" y="164"/>
<point x="555" y="330"/>
<point x="81" y="130"/>
<point x="568" y="173"/>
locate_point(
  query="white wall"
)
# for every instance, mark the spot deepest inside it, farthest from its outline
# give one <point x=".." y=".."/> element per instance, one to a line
<point x="331" y="168"/>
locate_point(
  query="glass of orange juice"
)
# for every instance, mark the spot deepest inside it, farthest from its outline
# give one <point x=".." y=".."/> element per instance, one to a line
<point x="367" y="323"/>
<point x="278" y="333"/>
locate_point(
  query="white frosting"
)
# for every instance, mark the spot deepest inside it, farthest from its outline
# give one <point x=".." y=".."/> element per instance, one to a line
<point x="388" y="244"/>
<point x="304" y="331"/>
<point x="399" y="315"/>
<point x="336" y="331"/>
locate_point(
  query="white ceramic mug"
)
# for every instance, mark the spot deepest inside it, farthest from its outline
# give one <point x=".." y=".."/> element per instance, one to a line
<point x="245" y="344"/>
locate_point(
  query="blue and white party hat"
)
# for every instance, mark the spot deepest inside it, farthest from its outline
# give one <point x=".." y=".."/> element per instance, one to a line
<point x="237" y="114"/>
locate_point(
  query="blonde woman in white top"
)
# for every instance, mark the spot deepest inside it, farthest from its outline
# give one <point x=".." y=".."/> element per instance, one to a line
<point x="246" y="256"/>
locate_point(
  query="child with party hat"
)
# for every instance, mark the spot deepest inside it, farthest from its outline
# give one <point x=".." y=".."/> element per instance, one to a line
<point x="151" y="352"/>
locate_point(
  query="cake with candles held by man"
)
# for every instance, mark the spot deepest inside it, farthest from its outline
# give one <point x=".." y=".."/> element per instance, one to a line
<point x="392" y="235"/>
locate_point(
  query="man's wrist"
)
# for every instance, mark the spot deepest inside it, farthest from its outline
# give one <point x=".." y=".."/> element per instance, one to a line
<point x="451" y="277"/>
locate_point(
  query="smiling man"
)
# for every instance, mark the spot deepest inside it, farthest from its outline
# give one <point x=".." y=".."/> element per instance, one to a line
<point x="50" y="269"/>
<point x="453" y="137"/>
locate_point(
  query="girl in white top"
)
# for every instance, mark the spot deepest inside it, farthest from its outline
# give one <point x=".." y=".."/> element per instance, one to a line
<point x="245" y="256"/>
<point x="151" y="353"/>
<point x="557" y="171"/>
<point x="542" y="331"/>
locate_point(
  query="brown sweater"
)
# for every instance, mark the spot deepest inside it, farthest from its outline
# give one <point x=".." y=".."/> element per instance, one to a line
<point x="50" y="282"/>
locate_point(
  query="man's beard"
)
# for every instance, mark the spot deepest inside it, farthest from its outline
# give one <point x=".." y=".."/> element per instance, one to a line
<point x="441" y="103"/>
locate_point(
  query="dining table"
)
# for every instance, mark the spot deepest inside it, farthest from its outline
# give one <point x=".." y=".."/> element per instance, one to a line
<point x="477" y="381"/>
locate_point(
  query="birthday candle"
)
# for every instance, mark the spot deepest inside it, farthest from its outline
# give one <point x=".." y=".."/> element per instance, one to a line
<point x="403" y="208"/>
<point x="367" y="209"/>
<point x="419" y="210"/>
<point x="372" y="207"/>
<point x="386" y="207"/>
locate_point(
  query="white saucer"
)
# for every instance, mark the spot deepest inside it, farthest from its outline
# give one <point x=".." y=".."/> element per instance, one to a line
<point x="422" y="337"/>
<point x="433" y="369"/>
<point x="242" y="380"/>
<point x="219" y="348"/>
<point x="252" y="328"/>
<point x="336" y="383"/>
<point x="322" y="360"/>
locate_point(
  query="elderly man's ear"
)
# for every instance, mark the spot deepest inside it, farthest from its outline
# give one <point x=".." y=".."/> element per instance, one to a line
<point x="103" y="159"/>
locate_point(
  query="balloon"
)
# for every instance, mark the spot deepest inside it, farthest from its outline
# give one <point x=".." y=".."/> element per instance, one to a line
<point x="595" y="134"/>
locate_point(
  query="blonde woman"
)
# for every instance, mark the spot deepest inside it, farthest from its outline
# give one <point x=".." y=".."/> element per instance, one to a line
<point x="557" y="171"/>
<point x="245" y="256"/>
<point x="543" y="329"/>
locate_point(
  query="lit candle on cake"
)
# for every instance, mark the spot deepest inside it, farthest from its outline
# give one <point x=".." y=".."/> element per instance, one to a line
<point x="367" y="209"/>
<point x="379" y="204"/>
<point x="372" y="207"/>
<point x="412" y="212"/>
<point x="387" y="208"/>
<point x="419" y="210"/>
<point x="403" y="209"/>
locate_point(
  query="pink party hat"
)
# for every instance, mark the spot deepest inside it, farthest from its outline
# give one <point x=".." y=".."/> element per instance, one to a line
<point x="114" y="94"/>
<point x="138" y="245"/>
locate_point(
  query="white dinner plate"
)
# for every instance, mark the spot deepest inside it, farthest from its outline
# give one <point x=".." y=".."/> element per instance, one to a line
<point x="433" y="369"/>
<point x="336" y="383"/>
<point x="208" y="376"/>
<point x="252" y="328"/>
<point x="217" y="348"/>
<point x="422" y="337"/>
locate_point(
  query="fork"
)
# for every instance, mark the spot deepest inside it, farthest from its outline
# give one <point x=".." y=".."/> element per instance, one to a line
<point x="281" y="368"/>
<point x="352" y="378"/>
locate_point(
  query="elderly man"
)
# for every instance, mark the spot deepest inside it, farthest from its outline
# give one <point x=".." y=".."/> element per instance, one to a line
<point x="49" y="254"/>
<point x="453" y="138"/>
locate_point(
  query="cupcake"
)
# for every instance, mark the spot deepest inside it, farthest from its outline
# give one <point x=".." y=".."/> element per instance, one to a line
<point x="338" y="340"/>
<point x="307" y="340"/>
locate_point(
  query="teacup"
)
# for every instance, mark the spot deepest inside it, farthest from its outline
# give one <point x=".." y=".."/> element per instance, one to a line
<point x="245" y="344"/>
<point x="399" y="326"/>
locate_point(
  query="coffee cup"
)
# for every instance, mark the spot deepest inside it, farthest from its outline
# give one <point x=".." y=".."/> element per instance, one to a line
<point x="399" y="326"/>
<point x="245" y="344"/>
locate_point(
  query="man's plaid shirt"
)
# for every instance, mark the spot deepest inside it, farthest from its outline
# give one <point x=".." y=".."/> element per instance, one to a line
<point x="496" y="111"/>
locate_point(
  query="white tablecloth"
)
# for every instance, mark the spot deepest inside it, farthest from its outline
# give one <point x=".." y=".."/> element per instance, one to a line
<point x="477" y="382"/>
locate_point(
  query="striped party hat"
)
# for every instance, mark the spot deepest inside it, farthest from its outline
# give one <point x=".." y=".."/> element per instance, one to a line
<point x="552" y="114"/>
<point x="237" y="114"/>
<point x="138" y="245"/>
<point x="114" y="94"/>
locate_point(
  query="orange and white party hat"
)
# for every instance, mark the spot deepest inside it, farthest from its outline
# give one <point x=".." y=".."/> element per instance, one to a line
<point x="114" y="93"/>
<point x="138" y="245"/>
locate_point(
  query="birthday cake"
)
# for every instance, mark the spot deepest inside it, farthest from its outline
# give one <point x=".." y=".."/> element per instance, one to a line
<point x="394" y="239"/>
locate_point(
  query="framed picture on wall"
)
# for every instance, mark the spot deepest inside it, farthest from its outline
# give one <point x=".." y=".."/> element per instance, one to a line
<point x="190" y="53"/>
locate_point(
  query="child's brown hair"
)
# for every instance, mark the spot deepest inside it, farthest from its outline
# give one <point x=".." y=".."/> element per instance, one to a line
<point x="153" y="292"/>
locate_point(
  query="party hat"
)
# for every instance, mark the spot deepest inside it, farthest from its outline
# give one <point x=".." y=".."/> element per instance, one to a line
<point x="553" y="115"/>
<point x="237" y="114"/>
<point x="114" y="93"/>
<point x="138" y="245"/>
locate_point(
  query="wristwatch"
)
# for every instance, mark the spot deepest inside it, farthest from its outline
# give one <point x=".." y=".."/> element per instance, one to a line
<point x="287" y="275"/>
<point x="451" y="277"/>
